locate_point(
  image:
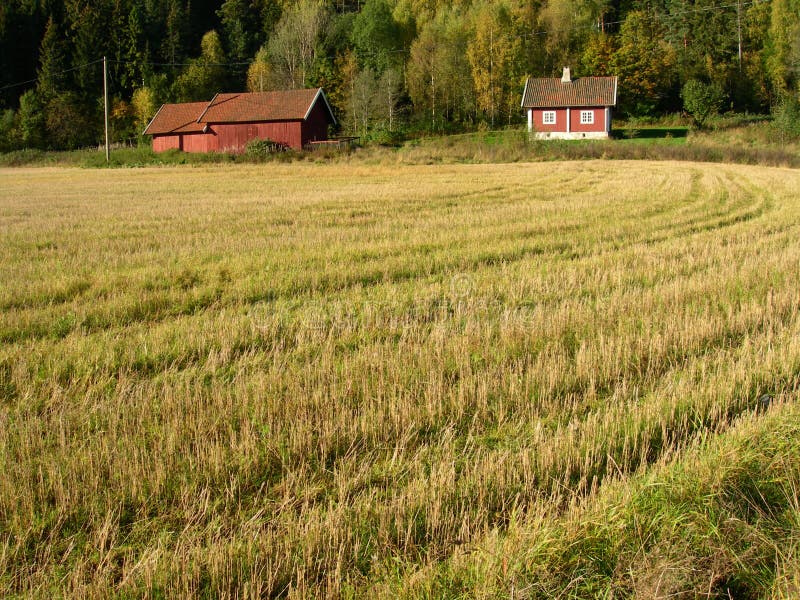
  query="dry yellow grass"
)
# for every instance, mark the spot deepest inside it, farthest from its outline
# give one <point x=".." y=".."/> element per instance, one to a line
<point x="349" y="380"/>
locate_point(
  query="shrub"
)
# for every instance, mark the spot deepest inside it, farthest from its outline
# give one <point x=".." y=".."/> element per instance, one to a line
<point x="786" y="118"/>
<point x="384" y="137"/>
<point x="7" y="133"/>
<point x="263" y="148"/>
<point x="701" y="100"/>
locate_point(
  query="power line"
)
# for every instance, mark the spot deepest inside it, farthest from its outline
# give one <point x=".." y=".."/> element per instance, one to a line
<point x="58" y="74"/>
<point x="13" y="85"/>
<point x="183" y="64"/>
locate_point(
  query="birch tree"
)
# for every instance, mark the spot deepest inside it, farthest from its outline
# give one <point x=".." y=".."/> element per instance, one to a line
<point x="292" y="47"/>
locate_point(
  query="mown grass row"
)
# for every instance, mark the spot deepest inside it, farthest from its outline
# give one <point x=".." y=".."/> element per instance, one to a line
<point x="718" y="521"/>
<point x="363" y="408"/>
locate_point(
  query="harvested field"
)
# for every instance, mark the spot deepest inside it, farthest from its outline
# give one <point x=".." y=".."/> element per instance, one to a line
<point x="574" y="378"/>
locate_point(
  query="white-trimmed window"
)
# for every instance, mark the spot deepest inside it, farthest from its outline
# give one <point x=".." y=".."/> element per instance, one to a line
<point x="549" y="117"/>
<point x="587" y="117"/>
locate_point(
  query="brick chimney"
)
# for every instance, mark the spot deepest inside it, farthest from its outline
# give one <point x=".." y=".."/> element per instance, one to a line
<point x="566" y="78"/>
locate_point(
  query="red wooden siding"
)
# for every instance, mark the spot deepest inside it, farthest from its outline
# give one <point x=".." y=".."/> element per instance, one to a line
<point x="538" y="119"/>
<point x="315" y="127"/>
<point x="599" y="120"/>
<point x="233" y="137"/>
<point x="575" y="125"/>
<point x="198" y="142"/>
<point x="166" y="142"/>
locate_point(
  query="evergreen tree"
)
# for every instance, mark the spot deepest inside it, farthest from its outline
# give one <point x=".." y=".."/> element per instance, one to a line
<point x="52" y="63"/>
<point x="376" y="36"/>
<point x="173" y="44"/>
<point x="270" y="13"/>
<point x="7" y="130"/>
<point x="703" y="36"/>
<point x="89" y="41"/>
<point x="69" y="125"/>
<point x="136" y="51"/>
<point x="30" y="124"/>
<point x="7" y="17"/>
<point x="22" y="26"/>
<point x="237" y="19"/>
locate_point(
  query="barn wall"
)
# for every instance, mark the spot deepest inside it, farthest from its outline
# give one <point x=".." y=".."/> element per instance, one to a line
<point x="315" y="128"/>
<point x="162" y="143"/>
<point x="188" y="142"/>
<point x="599" y="120"/>
<point x="233" y="137"/>
<point x="199" y="142"/>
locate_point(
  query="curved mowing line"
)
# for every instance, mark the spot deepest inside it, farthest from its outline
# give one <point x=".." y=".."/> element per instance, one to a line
<point x="139" y="313"/>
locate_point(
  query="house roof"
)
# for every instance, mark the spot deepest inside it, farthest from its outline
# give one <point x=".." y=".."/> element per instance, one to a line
<point x="177" y="118"/>
<point x="287" y="105"/>
<point x="550" y="92"/>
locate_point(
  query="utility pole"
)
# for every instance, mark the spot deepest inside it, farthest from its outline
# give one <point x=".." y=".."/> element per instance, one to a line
<point x="433" y="102"/>
<point x="739" y="30"/>
<point x="105" y="102"/>
<point x="491" y="64"/>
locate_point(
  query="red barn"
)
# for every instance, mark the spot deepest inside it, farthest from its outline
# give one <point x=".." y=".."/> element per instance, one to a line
<point x="292" y="118"/>
<point x="569" y="108"/>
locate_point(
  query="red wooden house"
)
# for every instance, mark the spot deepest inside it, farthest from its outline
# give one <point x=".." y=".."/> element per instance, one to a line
<point x="569" y="108"/>
<point x="225" y="124"/>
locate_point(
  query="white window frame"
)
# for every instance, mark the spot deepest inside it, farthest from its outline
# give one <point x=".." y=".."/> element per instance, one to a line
<point x="548" y="117"/>
<point x="587" y="117"/>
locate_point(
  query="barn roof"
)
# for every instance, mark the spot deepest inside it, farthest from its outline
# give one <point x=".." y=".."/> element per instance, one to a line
<point x="287" y="105"/>
<point x="192" y="117"/>
<point x="177" y="118"/>
<point x="552" y="92"/>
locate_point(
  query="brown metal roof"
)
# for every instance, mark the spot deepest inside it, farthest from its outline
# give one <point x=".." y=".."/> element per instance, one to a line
<point x="287" y="105"/>
<point x="550" y="92"/>
<point x="177" y="118"/>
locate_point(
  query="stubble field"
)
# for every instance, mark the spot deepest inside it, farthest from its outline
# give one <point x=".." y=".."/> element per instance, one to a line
<point x="566" y="380"/>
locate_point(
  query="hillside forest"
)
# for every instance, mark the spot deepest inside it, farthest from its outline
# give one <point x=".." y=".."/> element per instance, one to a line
<point x="386" y="65"/>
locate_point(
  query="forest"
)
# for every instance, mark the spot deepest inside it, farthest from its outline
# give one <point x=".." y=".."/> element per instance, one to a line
<point x="387" y="66"/>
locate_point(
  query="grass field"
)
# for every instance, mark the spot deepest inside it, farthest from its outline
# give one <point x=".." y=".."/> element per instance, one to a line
<point x="733" y="139"/>
<point x="565" y="379"/>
